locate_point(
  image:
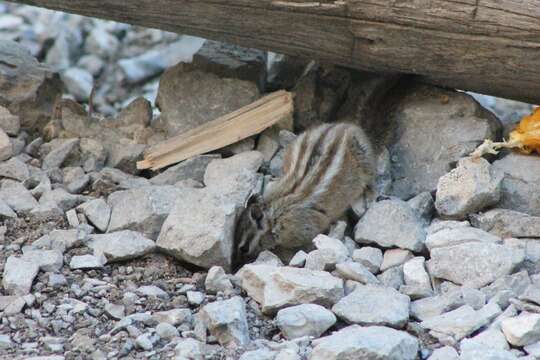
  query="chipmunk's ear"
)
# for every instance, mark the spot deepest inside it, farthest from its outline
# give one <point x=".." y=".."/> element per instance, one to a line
<point x="254" y="199"/>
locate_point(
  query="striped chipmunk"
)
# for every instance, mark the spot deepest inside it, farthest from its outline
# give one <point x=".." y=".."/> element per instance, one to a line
<point x="325" y="170"/>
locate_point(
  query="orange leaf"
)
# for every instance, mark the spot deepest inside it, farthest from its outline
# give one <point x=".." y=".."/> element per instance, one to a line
<point x="527" y="133"/>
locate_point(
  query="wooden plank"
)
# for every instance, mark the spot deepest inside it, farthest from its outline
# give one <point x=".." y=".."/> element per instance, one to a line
<point x="489" y="46"/>
<point x="225" y="130"/>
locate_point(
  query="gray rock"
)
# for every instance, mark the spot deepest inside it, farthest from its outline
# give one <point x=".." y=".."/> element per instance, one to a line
<point x="461" y="322"/>
<point x="16" y="196"/>
<point x="152" y="62"/>
<point x="471" y="350"/>
<point x="62" y="199"/>
<point x="357" y="272"/>
<point x="195" y="297"/>
<point x="19" y="275"/>
<point x="101" y="43"/>
<point x="85" y="262"/>
<point x="414" y="273"/>
<point x="459" y="235"/>
<point x="61" y="150"/>
<point x="363" y="306"/>
<point x="216" y="280"/>
<point x="124" y="155"/>
<point x="292" y="286"/>
<point x="142" y="209"/>
<point x="269" y="258"/>
<point x="424" y="205"/>
<point x="91" y="63"/>
<point x="46" y="260"/>
<point x="115" y="311"/>
<point x="374" y="342"/>
<point x="253" y="279"/>
<point x="322" y="259"/>
<point x="481" y="263"/>
<point x="121" y="245"/>
<point x="144" y="342"/>
<point x="506" y="287"/>
<point x="166" y="331"/>
<point x="226" y="320"/>
<point x="259" y="354"/>
<point x="369" y="257"/>
<point x="97" y="212"/>
<point x="5" y="210"/>
<point x="395" y="257"/>
<point x="10" y="123"/>
<point x="174" y="317"/>
<point x="521" y="183"/>
<point x="392" y="277"/>
<point x="6" y="148"/>
<point x="391" y="223"/>
<point x="299" y="259"/>
<point x="193" y="168"/>
<point x="189" y="349"/>
<point x="14" y="169"/>
<point x="492" y="338"/>
<point x="428" y="307"/>
<point x="522" y="330"/>
<point x="304" y="320"/>
<point x="507" y="223"/>
<point x="432" y="135"/>
<point x="189" y="99"/>
<point x="75" y="179"/>
<point x="444" y="353"/>
<point x="79" y="83"/>
<point x="472" y="186"/>
<point x="152" y="291"/>
<point x="57" y="280"/>
<point x="28" y="86"/>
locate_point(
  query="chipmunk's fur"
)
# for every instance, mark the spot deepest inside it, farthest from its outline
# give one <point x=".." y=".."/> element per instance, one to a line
<point x="326" y="169"/>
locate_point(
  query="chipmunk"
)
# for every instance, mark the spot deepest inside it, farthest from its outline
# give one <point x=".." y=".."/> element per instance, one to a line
<point x="325" y="170"/>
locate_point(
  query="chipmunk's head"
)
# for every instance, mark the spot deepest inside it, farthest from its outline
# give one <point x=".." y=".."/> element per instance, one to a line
<point x="253" y="232"/>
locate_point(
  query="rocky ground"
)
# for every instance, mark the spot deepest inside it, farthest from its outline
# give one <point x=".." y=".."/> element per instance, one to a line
<point x="101" y="261"/>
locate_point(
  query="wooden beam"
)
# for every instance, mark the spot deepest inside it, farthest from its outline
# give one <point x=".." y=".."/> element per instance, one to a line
<point x="487" y="46"/>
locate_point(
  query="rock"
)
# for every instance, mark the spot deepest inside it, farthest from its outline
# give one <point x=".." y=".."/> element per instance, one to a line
<point x="462" y="321"/>
<point x="57" y="280"/>
<point x="414" y="273"/>
<point x="289" y="286"/>
<point x="5" y="342"/>
<point x="481" y="263"/>
<point x="226" y="320"/>
<point x="395" y="257"/>
<point x="392" y="277"/>
<point x="101" y="43"/>
<point x="329" y="252"/>
<point x="91" y="63"/>
<point x="46" y="260"/>
<point x="507" y="223"/>
<point x="124" y="155"/>
<point x="492" y="338"/>
<point x="121" y="245"/>
<point x="253" y="279"/>
<point x="363" y="306"/>
<point x="14" y="169"/>
<point x="472" y="186"/>
<point x="373" y="342"/>
<point x="189" y="349"/>
<point x="75" y="179"/>
<point x="391" y="223"/>
<point x="431" y="135"/>
<point x="115" y="311"/>
<point x="357" y="272"/>
<point x="97" y="212"/>
<point x="304" y="320"/>
<point x="189" y="99"/>
<point x="93" y="155"/>
<point x="522" y="330"/>
<point x="174" y="317"/>
<point x="216" y="280"/>
<point x="471" y="350"/>
<point x="520" y="184"/>
<point x="152" y="62"/>
<point x="142" y="209"/>
<point x="195" y="297"/>
<point x="78" y="82"/>
<point x="6" y="149"/>
<point x="269" y="258"/>
<point x="506" y="287"/>
<point x="61" y="199"/>
<point x="19" y="275"/>
<point x="8" y="122"/>
<point x="152" y="291"/>
<point x="16" y="196"/>
<point x="369" y="257"/>
<point x="444" y="353"/>
<point x="5" y="210"/>
<point x="259" y="354"/>
<point x="459" y="235"/>
<point x="144" y="342"/>
<point x="429" y="307"/>
<point x="166" y="331"/>
<point x="61" y="150"/>
<point x="85" y="262"/>
<point x="193" y="168"/>
<point x="231" y="61"/>
<point x="299" y="259"/>
<point x="424" y="205"/>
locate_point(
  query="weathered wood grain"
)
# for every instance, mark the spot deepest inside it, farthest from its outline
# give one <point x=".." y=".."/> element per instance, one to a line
<point x="488" y="46"/>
